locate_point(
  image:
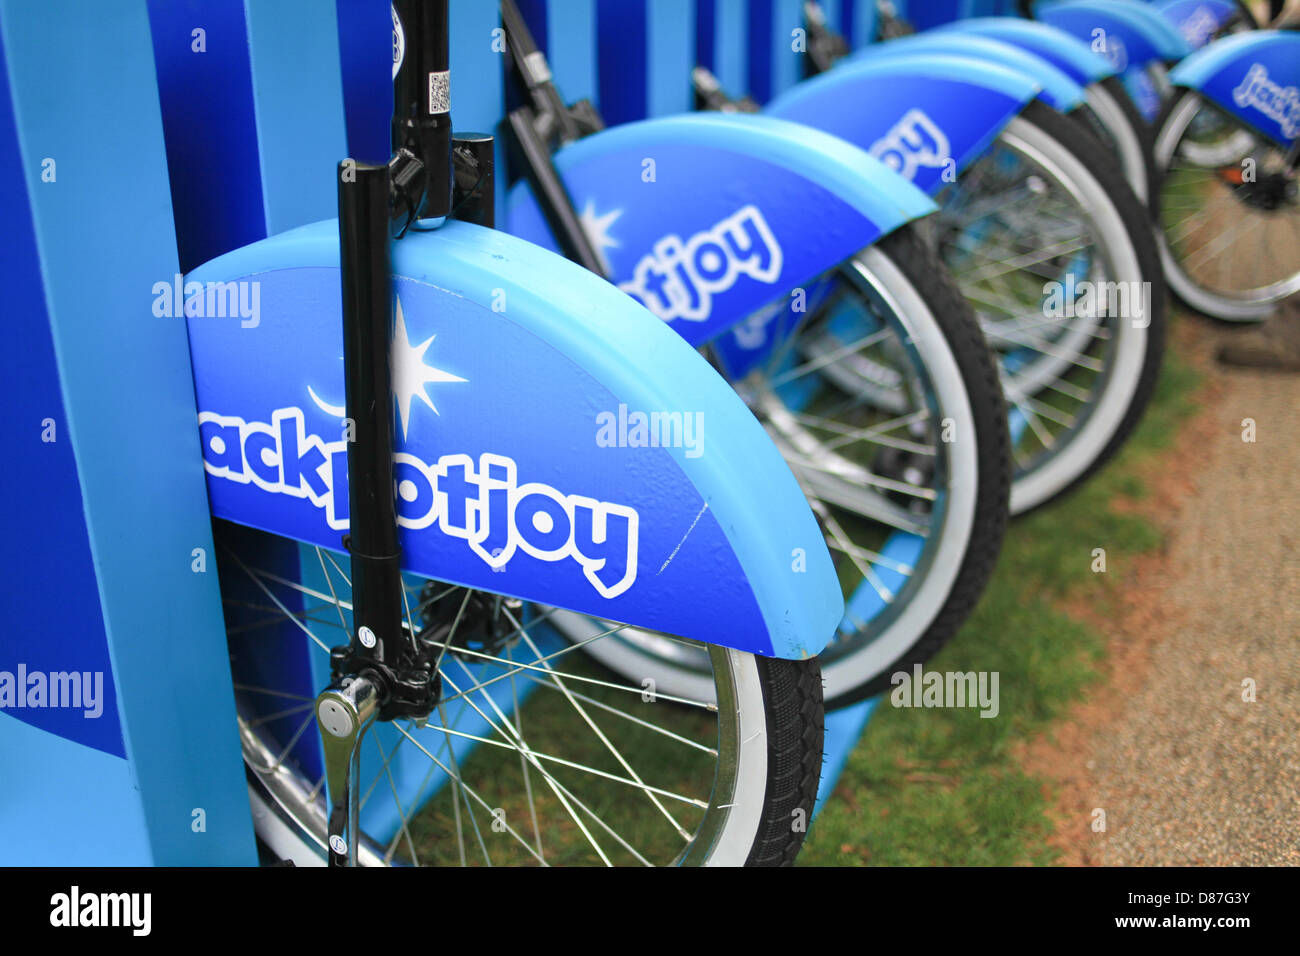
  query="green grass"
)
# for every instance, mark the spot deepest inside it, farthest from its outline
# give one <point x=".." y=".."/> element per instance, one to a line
<point x="936" y="786"/>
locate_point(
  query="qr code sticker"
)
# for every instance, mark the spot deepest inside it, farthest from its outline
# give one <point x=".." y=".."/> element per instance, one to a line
<point x="440" y="92"/>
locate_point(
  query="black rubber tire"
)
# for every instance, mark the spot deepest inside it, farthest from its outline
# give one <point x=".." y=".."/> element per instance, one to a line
<point x="916" y="258"/>
<point x="1137" y="223"/>
<point x="1143" y="130"/>
<point x="795" y="734"/>
<point x="1137" y="126"/>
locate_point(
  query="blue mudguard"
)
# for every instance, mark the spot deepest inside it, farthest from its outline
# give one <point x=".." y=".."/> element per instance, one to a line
<point x="927" y="116"/>
<point x="1067" y="53"/>
<point x="1197" y="21"/>
<point x="1254" y="76"/>
<point x="706" y="218"/>
<point x="530" y="461"/>
<point x="1130" y="35"/>
<point x="1057" y="89"/>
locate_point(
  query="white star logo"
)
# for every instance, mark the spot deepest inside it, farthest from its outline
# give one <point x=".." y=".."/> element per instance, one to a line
<point x="411" y="374"/>
<point x="597" y="229"/>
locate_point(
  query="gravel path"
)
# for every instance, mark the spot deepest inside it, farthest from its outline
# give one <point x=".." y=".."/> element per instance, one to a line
<point x="1187" y="771"/>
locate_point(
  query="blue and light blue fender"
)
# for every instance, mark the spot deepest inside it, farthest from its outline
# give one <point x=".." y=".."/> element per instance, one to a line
<point x="706" y="218"/>
<point x="1056" y="88"/>
<point x="1197" y="21"/>
<point x="1067" y="53"/>
<point x="1128" y="34"/>
<point x="953" y="109"/>
<point x="519" y="468"/>
<point x="1254" y="76"/>
<point x="1133" y="36"/>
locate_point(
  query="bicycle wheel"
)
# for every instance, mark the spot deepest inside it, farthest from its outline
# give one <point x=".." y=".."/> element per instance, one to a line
<point x="1121" y="128"/>
<point x="1057" y="257"/>
<point x="884" y="400"/>
<point x="1228" y="214"/>
<point x="534" y="755"/>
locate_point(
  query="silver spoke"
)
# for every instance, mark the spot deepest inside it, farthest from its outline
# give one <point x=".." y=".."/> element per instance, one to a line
<point x="828" y="359"/>
<point x="403" y="830"/>
<point x="600" y="734"/>
<point x="289" y="614"/>
<point x="626" y="716"/>
<point x="519" y="745"/>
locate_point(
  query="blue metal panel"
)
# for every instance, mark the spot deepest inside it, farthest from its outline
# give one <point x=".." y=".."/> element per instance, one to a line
<point x="207" y="111"/>
<point x="706" y="34"/>
<point x="924" y="14"/>
<point x="298" y="98"/>
<point x="535" y="14"/>
<point x="572" y="48"/>
<point x="477" y="87"/>
<point x="364" y="28"/>
<point x="65" y="804"/>
<point x="624" y="60"/>
<point x="731" y="47"/>
<point x="127" y="390"/>
<point x="45" y="549"/>
<point x="477" y="77"/>
<point x="861" y="26"/>
<point x="834" y="12"/>
<point x="758" y="27"/>
<point x="774" y="65"/>
<point x="646" y="49"/>
<point x="670" y="36"/>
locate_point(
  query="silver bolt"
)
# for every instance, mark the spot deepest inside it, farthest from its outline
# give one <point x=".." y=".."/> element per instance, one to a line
<point x="335" y="718"/>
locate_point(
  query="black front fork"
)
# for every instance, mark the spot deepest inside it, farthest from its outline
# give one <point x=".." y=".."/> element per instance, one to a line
<point x="382" y="672"/>
<point x="367" y="331"/>
<point x="385" y="671"/>
<point x="345" y="709"/>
